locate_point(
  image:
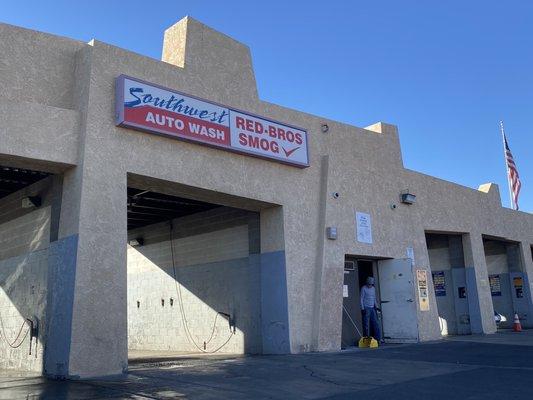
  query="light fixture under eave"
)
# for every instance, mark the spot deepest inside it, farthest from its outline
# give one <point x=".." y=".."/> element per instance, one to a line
<point x="31" y="201"/>
<point x="136" y="242"/>
<point x="407" y="198"/>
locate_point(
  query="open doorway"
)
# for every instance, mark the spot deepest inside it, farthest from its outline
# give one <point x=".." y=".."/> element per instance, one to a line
<point x="394" y="283"/>
<point x="356" y="271"/>
<point x="192" y="287"/>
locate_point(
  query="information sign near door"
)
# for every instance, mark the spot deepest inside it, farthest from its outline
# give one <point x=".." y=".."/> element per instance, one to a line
<point x="422" y="284"/>
<point x="363" y="230"/>
<point x="495" y="285"/>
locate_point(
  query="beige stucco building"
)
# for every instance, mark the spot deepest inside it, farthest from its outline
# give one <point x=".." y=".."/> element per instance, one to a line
<point x="117" y="240"/>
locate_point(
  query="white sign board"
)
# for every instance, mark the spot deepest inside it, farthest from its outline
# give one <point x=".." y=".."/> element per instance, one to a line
<point x="422" y="281"/>
<point x="151" y="108"/>
<point x="363" y="230"/>
<point x="345" y="291"/>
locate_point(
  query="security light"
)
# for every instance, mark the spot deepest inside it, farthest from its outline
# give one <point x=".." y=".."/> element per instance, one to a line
<point x="136" y="242"/>
<point x="31" y="201"/>
<point x="407" y="198"/>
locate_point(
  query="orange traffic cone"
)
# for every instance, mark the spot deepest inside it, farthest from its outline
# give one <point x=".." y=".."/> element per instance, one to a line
<point x="517" y="327"/>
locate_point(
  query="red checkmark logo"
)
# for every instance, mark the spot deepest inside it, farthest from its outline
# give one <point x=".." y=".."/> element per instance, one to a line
<point x="288" y="153"/>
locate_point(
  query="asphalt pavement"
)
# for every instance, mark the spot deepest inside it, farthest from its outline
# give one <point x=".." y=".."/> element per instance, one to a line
<point x="471" y="367"/>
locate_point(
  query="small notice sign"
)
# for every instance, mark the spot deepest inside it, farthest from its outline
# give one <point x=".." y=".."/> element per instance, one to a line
<point x="518" y="284"/>
<point x="363" y="230"/>
<point x="439" y="283"/>
<point x="345" y="291"/>
<point x="422" y="281"/>
<point x="495" y="285"/>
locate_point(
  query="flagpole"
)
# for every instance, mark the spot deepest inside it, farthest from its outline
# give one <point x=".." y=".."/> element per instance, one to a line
<point x="507" y="166"/>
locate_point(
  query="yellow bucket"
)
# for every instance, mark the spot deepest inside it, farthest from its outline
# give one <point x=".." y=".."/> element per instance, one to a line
<point x="368" y="341"/>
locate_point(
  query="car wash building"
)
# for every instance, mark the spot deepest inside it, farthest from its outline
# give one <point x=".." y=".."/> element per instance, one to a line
<point x="151" y="205"/>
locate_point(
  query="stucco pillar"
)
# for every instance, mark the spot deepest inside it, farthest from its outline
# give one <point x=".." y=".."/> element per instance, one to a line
<point x="525" y="251"/>
<point x="87" y="309"/>
<point x="478" y="289"/>
<point x="275" y="328"/>
<point x="87" y="283"/>
<point x="328" y="276"/>
<point x="428" y="321"/>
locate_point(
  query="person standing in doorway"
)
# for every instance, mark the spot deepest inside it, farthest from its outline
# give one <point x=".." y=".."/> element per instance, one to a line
<point x="369" y="306"/>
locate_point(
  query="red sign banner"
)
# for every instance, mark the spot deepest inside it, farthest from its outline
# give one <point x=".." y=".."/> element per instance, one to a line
<point x="154" y="109"/>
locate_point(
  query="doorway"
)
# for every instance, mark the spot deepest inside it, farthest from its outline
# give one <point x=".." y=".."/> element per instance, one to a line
<point x="395" y="294"/>
<point x="356" y="271"/>
<point x="446" y="260"/>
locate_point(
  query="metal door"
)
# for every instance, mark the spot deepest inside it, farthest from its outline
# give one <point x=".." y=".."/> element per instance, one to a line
<point x="460" y="296"/>
<point x="398" y="305"/>
<point x="351" y="310"/>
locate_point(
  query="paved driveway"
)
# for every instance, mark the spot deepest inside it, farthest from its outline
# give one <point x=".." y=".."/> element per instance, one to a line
<point x="492" y="367"/>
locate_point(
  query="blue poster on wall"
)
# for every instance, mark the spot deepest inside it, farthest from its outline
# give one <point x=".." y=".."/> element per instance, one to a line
<point x="439" y="283"/>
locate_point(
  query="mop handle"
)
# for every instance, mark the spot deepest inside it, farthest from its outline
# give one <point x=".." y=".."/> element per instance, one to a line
<point x="351" y="320"/>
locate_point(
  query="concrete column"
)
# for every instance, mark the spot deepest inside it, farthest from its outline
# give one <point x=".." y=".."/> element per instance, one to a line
<point x="525" y="253"/>
<point x="275" y="328"/>
<point x="428" y="321"/>
<point x="328" y="277"/>
<point x="318" y="336"/>
<point x="87" y="286"/>
<point x="479" y="297"/>
<point x="87" y="309"/>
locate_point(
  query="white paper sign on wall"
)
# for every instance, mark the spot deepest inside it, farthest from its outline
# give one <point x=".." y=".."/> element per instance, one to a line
<point x="345" y="291"/>
<point x="363" y="231"/>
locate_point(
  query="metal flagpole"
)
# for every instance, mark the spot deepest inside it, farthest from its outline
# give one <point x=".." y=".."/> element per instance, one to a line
<point x="507" y="167"/>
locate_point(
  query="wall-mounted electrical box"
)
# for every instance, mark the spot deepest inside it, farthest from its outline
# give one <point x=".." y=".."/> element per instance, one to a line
<point x="331" y="232"/>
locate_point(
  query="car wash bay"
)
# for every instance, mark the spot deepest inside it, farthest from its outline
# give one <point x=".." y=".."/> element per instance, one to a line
<point x="451" y="281"/>
<point x="29" y="217"/>
<point x="455" y="286"/>
<point x="195" y="282"/>
<point x="508" y="284"/>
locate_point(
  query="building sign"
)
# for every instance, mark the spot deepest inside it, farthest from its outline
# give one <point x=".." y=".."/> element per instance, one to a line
<point x="154" y="109"/>
<point x="363" y="231"/>
<point x="422" y="281"/>
<point x="439" y="283"/>
<point x="495" y="285"/>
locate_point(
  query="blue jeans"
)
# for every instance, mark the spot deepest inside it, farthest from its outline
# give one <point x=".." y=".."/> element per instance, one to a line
<point x="370" y="317"/>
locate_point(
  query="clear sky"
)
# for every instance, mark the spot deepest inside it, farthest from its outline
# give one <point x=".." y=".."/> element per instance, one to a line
<point x="445" y="72"/>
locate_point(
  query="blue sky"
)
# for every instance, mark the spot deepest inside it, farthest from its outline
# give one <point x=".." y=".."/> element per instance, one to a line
<point x="444" y="72"/>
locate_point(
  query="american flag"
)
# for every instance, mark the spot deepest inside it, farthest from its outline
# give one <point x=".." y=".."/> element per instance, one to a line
<point x="512" y="173"/>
